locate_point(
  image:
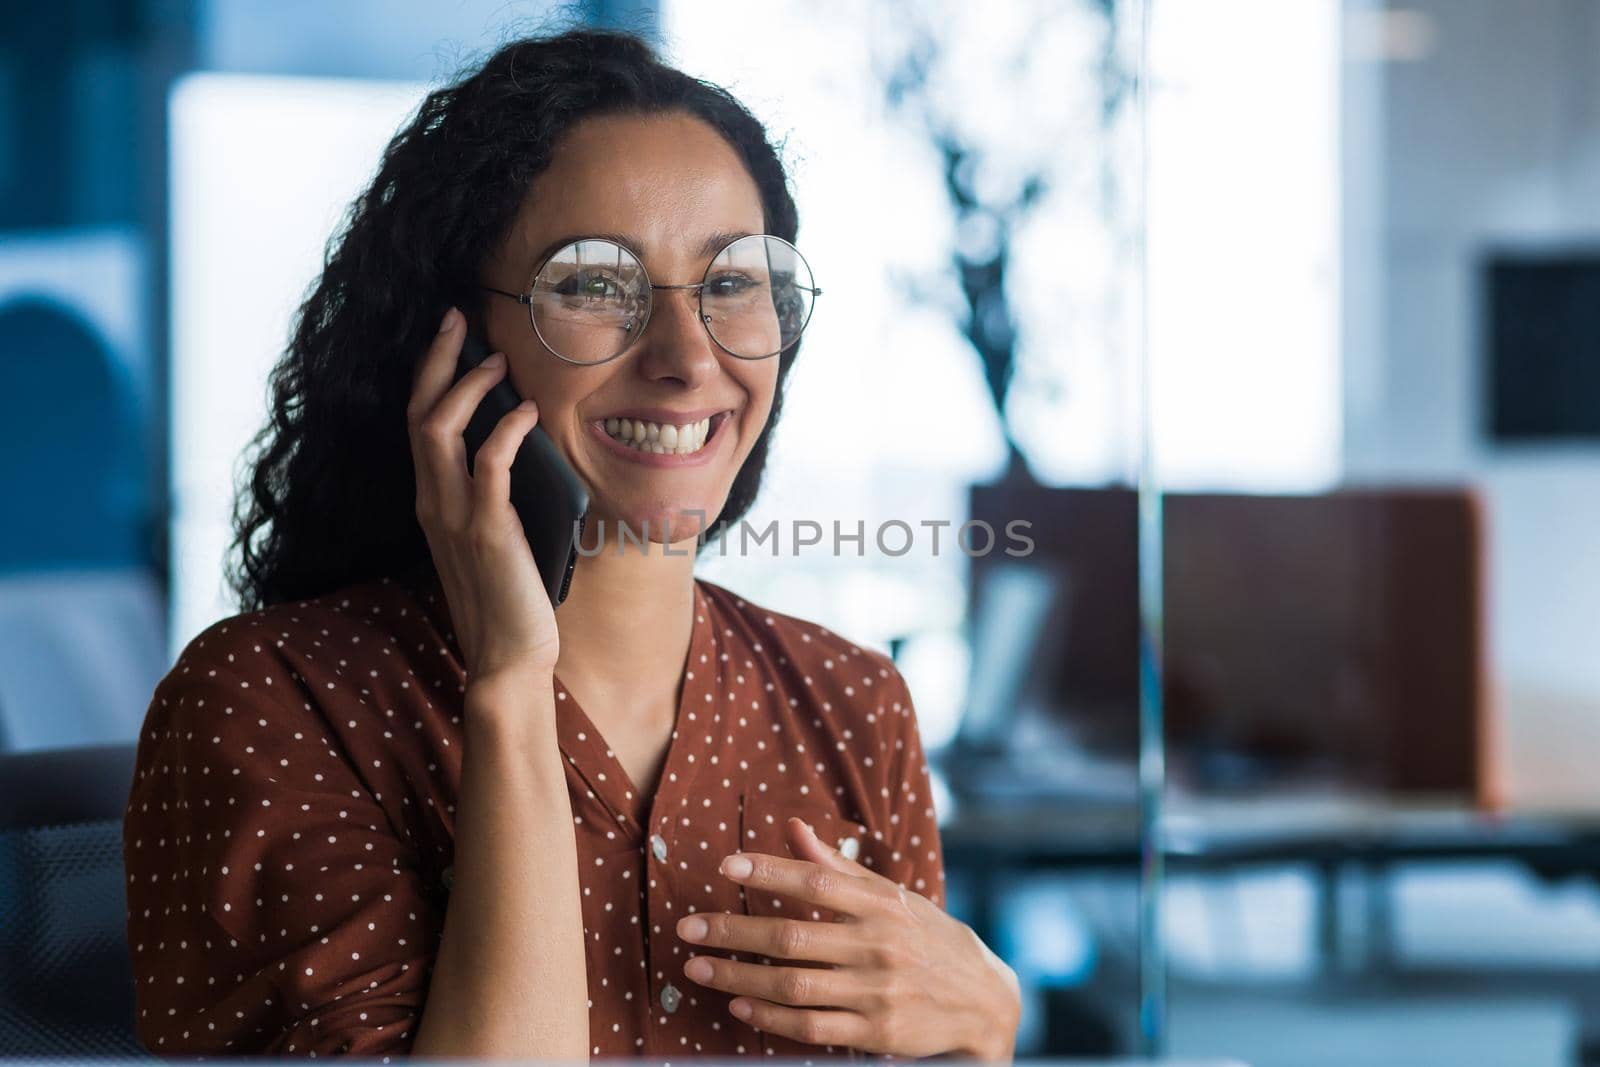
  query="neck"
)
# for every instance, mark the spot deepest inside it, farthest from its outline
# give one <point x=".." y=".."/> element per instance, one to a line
<point x="627" y="622"/>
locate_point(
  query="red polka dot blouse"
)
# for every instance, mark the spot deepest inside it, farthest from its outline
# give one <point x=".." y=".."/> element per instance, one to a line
<point x="289" y="834"/>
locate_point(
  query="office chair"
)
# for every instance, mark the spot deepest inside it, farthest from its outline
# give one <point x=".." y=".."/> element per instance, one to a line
<point x="66" y="980"/>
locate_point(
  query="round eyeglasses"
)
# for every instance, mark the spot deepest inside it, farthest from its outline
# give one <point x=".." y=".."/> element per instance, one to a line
<point x="591" y="299"/>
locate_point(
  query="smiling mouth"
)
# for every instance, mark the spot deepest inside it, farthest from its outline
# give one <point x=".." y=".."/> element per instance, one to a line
<point x="663" y="438"/>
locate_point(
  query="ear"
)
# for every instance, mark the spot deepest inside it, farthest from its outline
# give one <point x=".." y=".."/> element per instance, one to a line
<point x="804" y="844"/>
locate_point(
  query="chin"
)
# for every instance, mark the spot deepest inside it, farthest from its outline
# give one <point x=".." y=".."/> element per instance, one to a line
<point x="681" y="520"/>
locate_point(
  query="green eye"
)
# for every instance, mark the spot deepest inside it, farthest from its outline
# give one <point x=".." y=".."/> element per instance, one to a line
<point x="590" y="285"/>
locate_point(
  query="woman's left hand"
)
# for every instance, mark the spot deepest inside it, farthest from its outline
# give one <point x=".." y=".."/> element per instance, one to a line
<point x="903" y="977"/>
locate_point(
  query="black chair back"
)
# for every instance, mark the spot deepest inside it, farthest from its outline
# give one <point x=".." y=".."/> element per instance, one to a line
<point x="66" y="980"/>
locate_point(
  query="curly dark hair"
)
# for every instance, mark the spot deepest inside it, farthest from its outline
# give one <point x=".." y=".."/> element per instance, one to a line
<point x="331" y="494"/>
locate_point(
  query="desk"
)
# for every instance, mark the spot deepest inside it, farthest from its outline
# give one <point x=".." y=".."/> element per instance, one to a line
<point x="1329" y="834"/>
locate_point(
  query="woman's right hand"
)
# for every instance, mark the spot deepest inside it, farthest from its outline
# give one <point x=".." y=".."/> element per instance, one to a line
<point x="502" y="614"/>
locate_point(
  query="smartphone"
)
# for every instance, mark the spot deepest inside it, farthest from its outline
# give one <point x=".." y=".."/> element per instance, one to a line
<point x="548" y="495"/>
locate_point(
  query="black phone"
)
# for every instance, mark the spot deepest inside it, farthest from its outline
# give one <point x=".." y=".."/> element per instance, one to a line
<point x="551" y="500"/>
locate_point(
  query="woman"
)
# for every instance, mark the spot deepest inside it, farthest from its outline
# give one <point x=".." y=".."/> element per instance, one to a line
<point x="394" y="808"/>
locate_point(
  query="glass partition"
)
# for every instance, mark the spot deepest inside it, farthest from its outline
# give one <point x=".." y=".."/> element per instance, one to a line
<point x="965" y="476"/>
<point x="969" y="192"/>
<point x="1374" y="275"/>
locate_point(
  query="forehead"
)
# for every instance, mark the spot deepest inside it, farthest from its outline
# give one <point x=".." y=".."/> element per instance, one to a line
<point x="669" y="181"/>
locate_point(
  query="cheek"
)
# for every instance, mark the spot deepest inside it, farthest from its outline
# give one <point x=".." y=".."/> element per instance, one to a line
<point x="760" y="383"/>
<point x="556" y="388"/>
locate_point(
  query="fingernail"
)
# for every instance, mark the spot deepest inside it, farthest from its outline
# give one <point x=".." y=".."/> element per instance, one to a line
<point x="527" y="405"/>
<point x="495" y="360"/>
<point x="812" y="830"/>
<point x="740" y="1009"/>
<point x="449" y="319"/>
<point x="737" y="867"/>
<point x="698" y="969"/>
<point x="694" y="928"/>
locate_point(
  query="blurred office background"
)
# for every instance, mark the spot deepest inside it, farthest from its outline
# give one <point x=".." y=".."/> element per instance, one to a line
<point x="1372" y="292"/>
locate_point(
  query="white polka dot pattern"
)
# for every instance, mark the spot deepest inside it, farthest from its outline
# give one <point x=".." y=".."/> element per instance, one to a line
<point x="289" y="834"/>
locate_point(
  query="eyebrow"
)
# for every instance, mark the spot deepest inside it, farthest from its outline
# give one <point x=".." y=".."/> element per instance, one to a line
<point x="714" y="243"/>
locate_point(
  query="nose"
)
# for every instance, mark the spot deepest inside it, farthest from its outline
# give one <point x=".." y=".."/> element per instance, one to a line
<point x="675" y="342"/>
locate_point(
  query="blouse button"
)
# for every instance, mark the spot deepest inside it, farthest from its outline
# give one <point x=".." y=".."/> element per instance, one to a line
<point x="670" y="997"/>
<point x="849" y="848"/>
<point x="658" y="846"/>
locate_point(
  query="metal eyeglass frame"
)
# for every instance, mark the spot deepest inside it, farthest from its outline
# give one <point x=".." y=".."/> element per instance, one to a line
<point x="526" y="299"/>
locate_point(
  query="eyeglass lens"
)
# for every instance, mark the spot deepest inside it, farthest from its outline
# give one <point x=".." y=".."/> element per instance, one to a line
<point x="592" y="299"/>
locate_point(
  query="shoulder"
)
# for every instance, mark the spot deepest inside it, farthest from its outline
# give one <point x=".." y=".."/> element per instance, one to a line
<point x="301" y="695"/>
<point x="843" y="676"/>
<point x="270" y="656"/>
<point x="386" y="609"/>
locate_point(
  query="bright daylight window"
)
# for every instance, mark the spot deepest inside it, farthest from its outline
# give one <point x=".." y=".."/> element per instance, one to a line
<point x="887" y="417"/>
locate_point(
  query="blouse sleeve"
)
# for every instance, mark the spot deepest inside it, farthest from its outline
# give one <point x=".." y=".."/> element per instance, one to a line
<point x="914" y="826"/>
<point x="272" y="907"/>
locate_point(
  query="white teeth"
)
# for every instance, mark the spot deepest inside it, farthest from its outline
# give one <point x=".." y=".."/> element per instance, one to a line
<point x="661" y="439"/>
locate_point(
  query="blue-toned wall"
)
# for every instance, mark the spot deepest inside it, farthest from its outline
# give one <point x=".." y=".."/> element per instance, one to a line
<point x="84" y="304"/>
